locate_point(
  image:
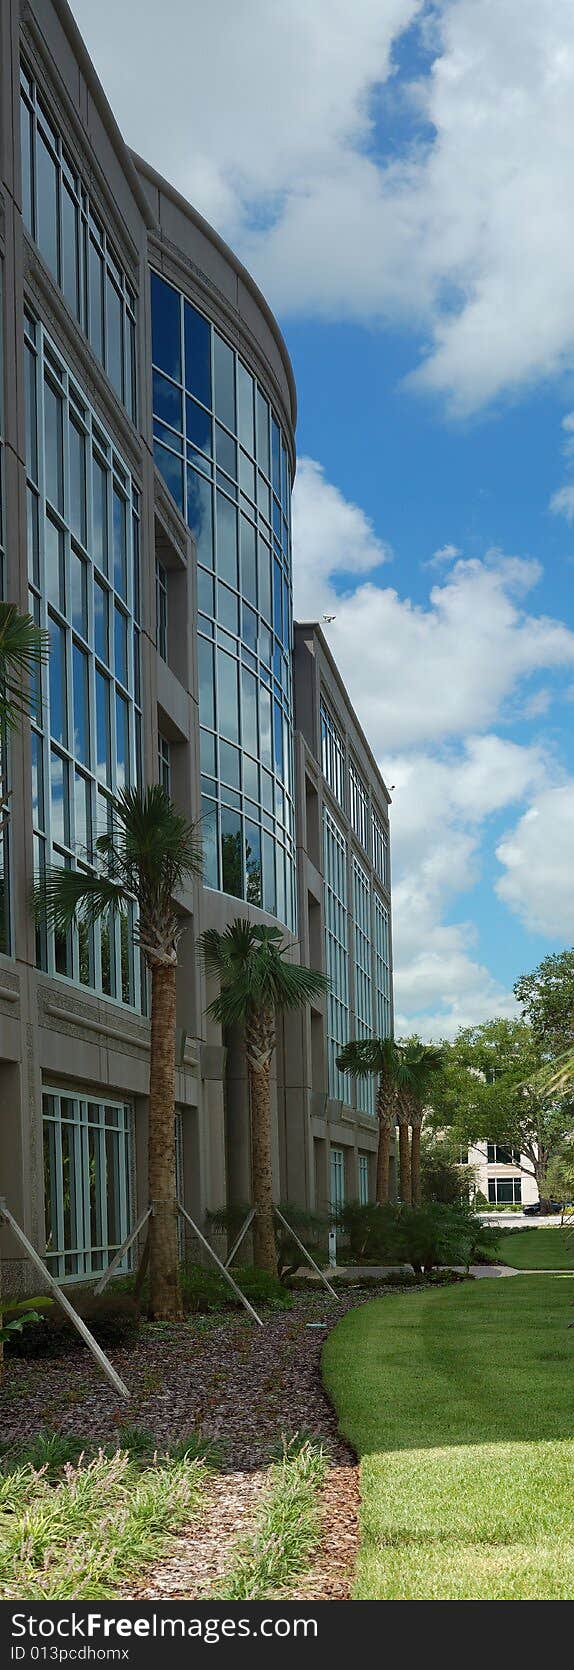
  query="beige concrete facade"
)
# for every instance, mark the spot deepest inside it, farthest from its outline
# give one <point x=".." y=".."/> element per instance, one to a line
<point x="74" y="1052"/>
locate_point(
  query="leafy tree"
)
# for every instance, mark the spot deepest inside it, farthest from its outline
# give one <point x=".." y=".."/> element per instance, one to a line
<point x="443" y="1177"/>
<point x="257" y="981"/>
<point x="145" y="858"/>
<point x="380" y="1058"/>
<point x="490" y="1091"/>
<point x="560" y="1176"/>
<point x="546" y="998"/>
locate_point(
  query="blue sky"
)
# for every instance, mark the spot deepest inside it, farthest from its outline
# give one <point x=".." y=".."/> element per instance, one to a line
<point x="399" y="180"/>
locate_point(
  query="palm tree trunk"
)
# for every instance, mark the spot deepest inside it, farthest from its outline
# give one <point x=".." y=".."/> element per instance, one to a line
<point x="405" y="1187"/>
<point x="384" y="1145"/>
<point x="416" y="1164"/>
<point x="383" y="1154"/>
<point x="264" y="1248"/>
<point x="165" y="1298"/>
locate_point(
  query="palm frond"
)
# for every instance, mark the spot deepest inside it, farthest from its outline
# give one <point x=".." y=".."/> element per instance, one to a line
<point x="254" y="972"/>
<point x="23" y="647"/>
<point x="62" y="896"/>
<point x="363" y="1057"/>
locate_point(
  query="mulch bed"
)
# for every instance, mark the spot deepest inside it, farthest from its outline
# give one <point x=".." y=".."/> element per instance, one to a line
<point x="244" y="1387"/>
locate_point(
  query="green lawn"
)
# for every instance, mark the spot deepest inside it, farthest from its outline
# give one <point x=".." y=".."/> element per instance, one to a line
<point x="459" y="1403"/>
<point x="536" y="1249"/>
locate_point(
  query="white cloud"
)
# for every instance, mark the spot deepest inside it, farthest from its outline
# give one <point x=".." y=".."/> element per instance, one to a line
<point x="429" y="683"/>
<point x="562" y="503"/>
<point x="419" y="673"/>
<point x="332" y="535"/>
<point x="443" y="557"/>
<point x="266" y="116"/>
<point x="538" y="883"/>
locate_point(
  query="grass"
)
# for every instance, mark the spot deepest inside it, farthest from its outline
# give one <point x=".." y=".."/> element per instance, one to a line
<point x="99" y="1524"/>
<point x="536" y="1249"/>
<point x="459" y="1403"/>
<point x="269" y="1562"/>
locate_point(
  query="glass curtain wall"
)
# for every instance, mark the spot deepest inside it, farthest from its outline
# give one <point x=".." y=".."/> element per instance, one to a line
<point x="364" y="1088"/>
<point x="336" y="952"/>
<point x="74" y="244"/>
<point x="382" y="968"/>
<point x="222" y="453"/>
<point x="83" y="562"/>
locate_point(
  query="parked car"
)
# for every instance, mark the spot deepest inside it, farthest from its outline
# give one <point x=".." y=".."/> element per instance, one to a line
<point x="549" y="1206"/>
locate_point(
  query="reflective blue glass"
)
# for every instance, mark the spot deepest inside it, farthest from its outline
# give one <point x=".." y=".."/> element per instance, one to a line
<point x="166" y="327"/>
<point x="197" y="354"/>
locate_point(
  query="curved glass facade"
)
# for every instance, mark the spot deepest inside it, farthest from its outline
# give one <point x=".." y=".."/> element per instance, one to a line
<point x="222" y="452"/>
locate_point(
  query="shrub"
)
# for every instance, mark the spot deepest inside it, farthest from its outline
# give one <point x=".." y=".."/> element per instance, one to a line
<point x="311" y="1227"/>
<point x="371" y="1231"/>
<point x="443" y="1178"/>
<point x="439" y="1234"/>
<point x="113" y="1318"/>
<point x="207" y="1290"/>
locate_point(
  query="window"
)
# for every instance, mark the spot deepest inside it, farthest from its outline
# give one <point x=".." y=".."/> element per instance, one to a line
<point x="82" y="562"/>
<point x="220" y="450"/>
<point x="496" y="1155"/>
<point x="164" y="763"/>
<point x="364" y="1088"/>
<point x="87" y="1165"/>
<point x="505" y="1191"/>
<point x="382" y="968"/>
<point x="336" y="952"/>
<point x="359" y="805"/>
<point x="363" y="1178"/>
<point x="161" y="610"/>
<point x="58" y="214"/>
<point x="337" y="1167"/>
<point x="381" y="849"/>
<point x="332" y="755"/>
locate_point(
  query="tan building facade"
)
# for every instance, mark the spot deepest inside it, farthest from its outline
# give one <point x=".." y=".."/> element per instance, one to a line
<point x="147" y="419"/>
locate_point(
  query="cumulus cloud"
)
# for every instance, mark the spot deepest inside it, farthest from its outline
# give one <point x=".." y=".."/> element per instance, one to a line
<point x="562" y="503"/>
<point x="462" y="228"/>
<point x="332" y="536"/>
<point x="538" y="880"/>
<point x="430" y="684"/>
<point x="419" y="673"/>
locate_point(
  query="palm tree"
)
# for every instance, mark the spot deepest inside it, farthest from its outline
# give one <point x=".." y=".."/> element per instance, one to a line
<point x="419" y="1065"/>
<point x="363" y="1058"/>
<point x="257" y="982"/>
<point x="148" y="853"/>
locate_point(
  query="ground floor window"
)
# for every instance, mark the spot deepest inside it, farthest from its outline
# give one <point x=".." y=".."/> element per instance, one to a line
<point x="505" y="1191"/>
<point x="87" y="1165"/>
<point x="364" y="1179"/>
<point x="337" y="1179"/>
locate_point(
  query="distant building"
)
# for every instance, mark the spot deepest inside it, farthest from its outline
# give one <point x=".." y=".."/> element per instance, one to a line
<point x="499" y="1177"/>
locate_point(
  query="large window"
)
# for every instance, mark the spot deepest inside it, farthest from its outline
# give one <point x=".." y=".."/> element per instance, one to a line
<point x="337" y="1168"/>
<point x="87" y="1154"/>
<point x="381" y="850"/>
<point x="365" y="1088"/>
<point x="505" y="1191"/>
<point x="363" y="1179"/>
<point x="83" y="543"/>
<point x="75" y="246"/>
<point x="336" y="952"/>
<point x="332" y="754"/>
<point x="4" y="761"/>
<point x="359" y="805"/>
<point x="496" y="1155"/>
<point x="382" y="968"/>
<point x="221" y="451"/>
